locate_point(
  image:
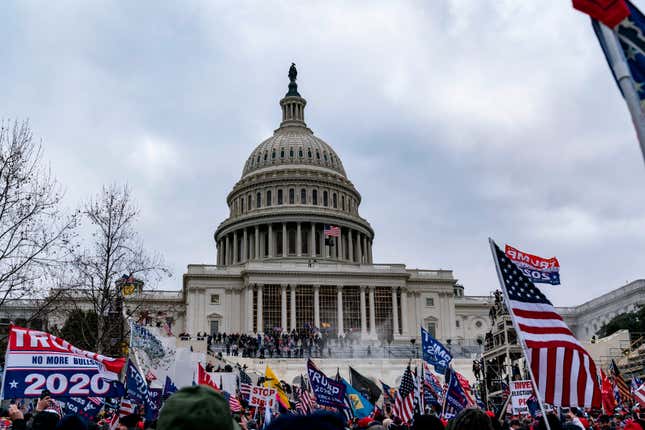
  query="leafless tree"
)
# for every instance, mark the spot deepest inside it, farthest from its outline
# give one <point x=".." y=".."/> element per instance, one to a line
<point x="113" y="249"/>
<point x="34" y="231"/>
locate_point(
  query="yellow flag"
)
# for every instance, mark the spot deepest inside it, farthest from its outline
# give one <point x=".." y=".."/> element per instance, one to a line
<point x="272" y="381"/>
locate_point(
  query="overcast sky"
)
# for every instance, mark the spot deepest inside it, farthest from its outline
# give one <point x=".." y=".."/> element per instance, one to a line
<point x="456" y="120"/>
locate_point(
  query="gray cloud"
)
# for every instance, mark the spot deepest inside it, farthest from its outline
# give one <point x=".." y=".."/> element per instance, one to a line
<point x="456" y="120"/>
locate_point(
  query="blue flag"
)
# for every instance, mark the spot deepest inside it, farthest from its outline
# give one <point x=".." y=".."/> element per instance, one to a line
<point x="434" y="352"/>
<point x="153" y="404"/>
<point x="169" y="388"/>
<point x="456" y="399"/>
<point x="328" y="392"/>
<point x="136" y="385"/>
<point x="631" y="34"/>
<point x="360" y="405"/>
<point x="85" y="407"/>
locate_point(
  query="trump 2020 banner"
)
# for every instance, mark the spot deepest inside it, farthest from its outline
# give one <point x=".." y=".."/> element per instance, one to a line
<point x="434" y="352"/>
<point x="537" y="269"/>
<point x="328" y="392"/>
<point x="38" y="361"/>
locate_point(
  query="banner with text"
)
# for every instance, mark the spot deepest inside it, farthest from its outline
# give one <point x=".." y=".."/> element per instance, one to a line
<point x="263" y="396"/>
<point x="537" y="269"/>
<point x="521" y="391"/>
<point x="328" y="392"/>
<point x="37" y="361"/>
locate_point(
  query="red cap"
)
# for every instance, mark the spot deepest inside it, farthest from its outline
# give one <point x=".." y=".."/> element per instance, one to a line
<point x="491" y="414"/>
<point x="364" y="422"/>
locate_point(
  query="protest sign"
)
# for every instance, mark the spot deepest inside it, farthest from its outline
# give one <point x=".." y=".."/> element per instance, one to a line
<point x="262" y="396"/>
<point x="521" y="391"/>
<point x="328" y="392"/>
<point x="37" y="361"/>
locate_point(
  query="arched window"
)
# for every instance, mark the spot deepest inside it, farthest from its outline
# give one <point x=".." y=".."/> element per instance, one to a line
<point x="309" y="153"/>
<point x="268" y="197"/>
<point x="303" y="196"/>
<point x="273" y="154"/>
<point x="258" y="200"/>
<point x="292" y="196"/>
<point x="334" y="200"/>
<point x="325" y="156"/>
<point x="282" y="153"/>
<point x="300" y="152"/>
<point x="314" y="197"/>
<point x="266" y="154"/>
<point x="280" y="196"/>
<point x="241" y="204"/>
<point x="258" y="159"/>
<point x="248" y="203"/>
<point x="325" y="199"/>
<point x="291" y="152"/>
<point x="342" y="202"/>
<point x="318" y="155"/>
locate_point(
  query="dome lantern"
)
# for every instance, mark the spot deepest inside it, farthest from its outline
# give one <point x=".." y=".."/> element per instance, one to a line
<point x="293" y="106"/>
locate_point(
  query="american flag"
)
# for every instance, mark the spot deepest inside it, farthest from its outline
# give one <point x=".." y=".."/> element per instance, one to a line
<point x="404" y="397"/>
<point x="465" y="385"/>
<point x="564" y="372"/>
<point x="431" y="382"/>
<point x="246" y="384"/>
<point x="234" y="404"/>
<point x="332" y="230"/>
<point x="126" y="407"/>
<point x="624" y="393"/>
<point x="639" y="395"/>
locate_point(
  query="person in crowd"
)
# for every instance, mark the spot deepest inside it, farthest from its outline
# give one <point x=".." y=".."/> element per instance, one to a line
<point x="472" y="419"/>
<point x="196" y="408"/>
<point x="426" y="422"/>
<point x="554" y="422"/>
<point x="315" y="421"/>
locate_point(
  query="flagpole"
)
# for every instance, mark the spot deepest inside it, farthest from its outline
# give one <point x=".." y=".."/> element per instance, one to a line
<point x="624" y="79"/>
<point x="517" y="331"/>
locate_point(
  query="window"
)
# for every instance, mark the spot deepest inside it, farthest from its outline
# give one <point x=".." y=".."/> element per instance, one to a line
<point x="273" y="154"/>
<point x="314" y="197"/>
<point x="258" y="162"/>
<point x="429" y="302"/>
<point x="300" y="152"/>
<point x="292" y="196"/>
<point x="318" y="155"/>
<point x="258" y="200"/>
<point x="342" y="202"/>
<point x="214" y="299"/>
<point x="457" y="323"/>
<point x="268" y="197"/>
<point x="242" y="204"/>
<point x="282" y="153"/>
<point x="334" y="199"/>
<point x="291" y="152"/>
<point x="432" y="329"/>
<point x="248" y="203"/>
<point x="325" y="199"/>
<point x="266" y="154"/>
<point x="280" y="196"/>
<point x="325" y="156"/>
<point x="303" y="196"/>
<point x="309" y="153"/>
<point x="478" y="324"/>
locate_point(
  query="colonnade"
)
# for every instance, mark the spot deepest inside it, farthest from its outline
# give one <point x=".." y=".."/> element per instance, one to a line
<point x="374" y="317"/>
<point x="292" y="239"/>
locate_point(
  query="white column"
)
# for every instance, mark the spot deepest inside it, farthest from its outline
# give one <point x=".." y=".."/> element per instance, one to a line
<point x="270" y="240"/>
<point x="260" y="329"/>
<point x="312" y="240"/>
<point x="285" y="250"/>
<point x="372" y="314"/>
<point x="249" y="308"/>
<point x="293" y="307"/>
<point x="370" y="252"/>
<point x="317" y="306"/>
<point x="227" y="255"/>
<point x="363" y="314"/>
<point x="235" y="247"/>
<point x="323" y="253"/>
<point x="339" y="251"/>
<point x="219" y="254"/>
<point x="350" y="244"/>
<point x="245" y="245"/>
<point x="395" y="314"/>
<point x="339" y="304"/>
<point x="283" y="310"/>
<point x="256" y="237"/>
<point x="419" y="313"/>
<point x="405" y="317"/>
<point x="298" y="240"/>
<point x="359" y="249"/>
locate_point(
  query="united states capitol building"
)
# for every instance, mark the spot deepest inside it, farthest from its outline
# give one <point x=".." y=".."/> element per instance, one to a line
<point x="295" y="252"/>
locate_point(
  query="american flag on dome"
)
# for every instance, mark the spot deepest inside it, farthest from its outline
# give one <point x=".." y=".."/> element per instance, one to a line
<point x="332" y="230"/>
<point x="404" y="397"/>
<point x="564" y="372"/>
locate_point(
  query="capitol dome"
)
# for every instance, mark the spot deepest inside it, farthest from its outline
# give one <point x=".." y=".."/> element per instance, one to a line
<point x="294" y="199"/>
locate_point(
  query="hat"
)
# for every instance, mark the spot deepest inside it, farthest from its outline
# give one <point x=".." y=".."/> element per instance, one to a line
<point x="364" y="422"/>
<point x="196" y="408"/>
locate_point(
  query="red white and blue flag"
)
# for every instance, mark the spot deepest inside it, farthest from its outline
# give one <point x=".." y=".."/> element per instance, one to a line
<point x="564" y="372"/>
<point x="332" y="230"/>
<point x="539" y="270"/>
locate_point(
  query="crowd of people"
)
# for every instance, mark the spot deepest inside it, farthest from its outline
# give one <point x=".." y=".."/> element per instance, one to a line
<point x="202" y="408"/>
